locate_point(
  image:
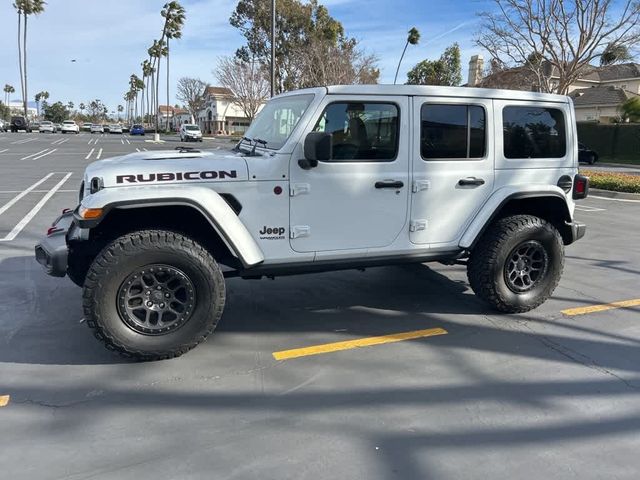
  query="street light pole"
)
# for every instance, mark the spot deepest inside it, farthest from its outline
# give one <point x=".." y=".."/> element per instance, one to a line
<point x="273" y="47"/>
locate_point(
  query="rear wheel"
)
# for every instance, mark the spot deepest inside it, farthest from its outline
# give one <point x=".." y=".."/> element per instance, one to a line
<point x="517" y="263"/>
<point x="153" y="295"/>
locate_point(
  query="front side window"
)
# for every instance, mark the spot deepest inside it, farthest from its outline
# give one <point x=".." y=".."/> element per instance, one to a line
<point x="276" y="121"/>
<point x="452" y="131"/>
<point x="361" y="131"/>
<point x="533" y="132"/>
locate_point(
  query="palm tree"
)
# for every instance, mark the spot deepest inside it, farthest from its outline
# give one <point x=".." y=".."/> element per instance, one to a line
<point x="413" y="38"/>
<point x="70" y="106"/>
<point x="24" y="9"/>
<point x="174" y="14"/>
<point x="41" y="96"/>
<point x="156" y="52"/>
<point x="82" y="106"/>
<point x="120" y="109"/>
<point x="8" y="90"/>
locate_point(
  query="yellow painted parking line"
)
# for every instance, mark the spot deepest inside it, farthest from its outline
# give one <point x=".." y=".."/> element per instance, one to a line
<point x="4" y="400"/>
<point x="602" y="308"/>
<point x="358" y="343"/>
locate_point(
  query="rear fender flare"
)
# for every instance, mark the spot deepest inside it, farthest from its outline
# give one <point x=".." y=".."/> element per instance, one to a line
<point x="491" y="209"/>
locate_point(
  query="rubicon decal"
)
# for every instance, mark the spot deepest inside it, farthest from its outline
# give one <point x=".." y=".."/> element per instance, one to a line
<point x="177" y="176"/>
<point x="272" y="233"/>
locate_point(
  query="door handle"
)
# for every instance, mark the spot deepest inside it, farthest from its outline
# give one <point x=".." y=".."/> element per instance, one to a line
<point x="390" y="184"/>
<point x="470" y="181"/>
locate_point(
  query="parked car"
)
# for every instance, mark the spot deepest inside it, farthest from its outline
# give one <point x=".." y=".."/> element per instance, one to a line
<point x="47" y="126"/>
<point x="96" y="128"/>
<point x="190" y="132"/>
<point x="4" y="126"/>
<point x="70" y="126"/>
<point x="57" y="126"/>
<point x="586" y="155"/>
<point x="86" y="127"/>
<point x="460" y="185"/>
<point x="35" y="125"/>
<point x="105" y="128"/>
<point x="136" y="129"/>
<point x="114" y="128"/>
<point x="20" y="123"/>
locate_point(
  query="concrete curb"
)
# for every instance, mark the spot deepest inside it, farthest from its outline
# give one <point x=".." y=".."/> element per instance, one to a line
<point x="633" y="166"/>
<point x="609" y="194"/>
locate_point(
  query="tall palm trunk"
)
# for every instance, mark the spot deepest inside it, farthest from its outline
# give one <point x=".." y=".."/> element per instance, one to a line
<point x="168" y="85"/>
<point x="158" y="96"/>
<point x="24" y="57"/>
<point x="20" y="56"/>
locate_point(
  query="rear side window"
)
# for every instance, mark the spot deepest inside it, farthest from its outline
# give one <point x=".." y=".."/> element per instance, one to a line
<point x="452" y="131"/>
<point x="361" y="131"/>
<point x="533" y="132"/>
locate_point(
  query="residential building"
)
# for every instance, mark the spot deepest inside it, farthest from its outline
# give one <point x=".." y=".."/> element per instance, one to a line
<point x="597" y="93"/>
<point x="222" y="114"/>
<point x="177" y="116"/>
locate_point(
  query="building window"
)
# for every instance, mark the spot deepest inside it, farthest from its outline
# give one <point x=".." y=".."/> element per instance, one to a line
<point x="533" y="132"/>
<point x="361" y="131"/>
<point x="452" y="131"/>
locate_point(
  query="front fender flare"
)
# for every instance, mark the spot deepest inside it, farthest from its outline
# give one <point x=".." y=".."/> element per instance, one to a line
<point x="208" y="202"/>
<point x="495" y="203"/>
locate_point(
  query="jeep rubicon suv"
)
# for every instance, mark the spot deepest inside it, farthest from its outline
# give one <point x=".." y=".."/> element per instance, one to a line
<point x="325" y="179"/>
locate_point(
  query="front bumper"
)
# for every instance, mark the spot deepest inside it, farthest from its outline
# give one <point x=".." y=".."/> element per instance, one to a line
<point x="52" y="252"/>
<point x="577" y="231"/>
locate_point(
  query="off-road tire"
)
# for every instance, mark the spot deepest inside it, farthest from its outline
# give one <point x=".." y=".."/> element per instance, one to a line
<point x="486" y="266"/>
<point x="134" y="251"/>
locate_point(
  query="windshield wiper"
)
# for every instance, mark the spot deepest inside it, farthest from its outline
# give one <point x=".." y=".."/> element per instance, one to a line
<point x="253" y="142"/>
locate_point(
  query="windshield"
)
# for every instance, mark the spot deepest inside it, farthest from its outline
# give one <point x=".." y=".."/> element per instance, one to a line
<point x="192" y="127"/>
<point x="68" y="122"/>
<point x="277" y="120"/>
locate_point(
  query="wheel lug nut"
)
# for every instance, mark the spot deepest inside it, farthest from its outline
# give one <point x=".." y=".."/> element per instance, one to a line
<point x="162" y="305"/>
<point x="149" y="304"/>
<point x="166" y="295"/>
<point x="158" y="287"/>
<point x="148" y="292"/>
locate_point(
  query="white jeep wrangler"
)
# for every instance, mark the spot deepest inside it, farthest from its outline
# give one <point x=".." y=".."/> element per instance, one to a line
<point x="325" y="179"/>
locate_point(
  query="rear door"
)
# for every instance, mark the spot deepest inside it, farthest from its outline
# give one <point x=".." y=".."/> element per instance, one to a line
<point x="359" y="198"/>
<point x="453" y="166"/>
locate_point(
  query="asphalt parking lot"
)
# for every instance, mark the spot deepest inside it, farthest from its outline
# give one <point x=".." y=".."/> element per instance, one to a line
<point x="549" y="394"/>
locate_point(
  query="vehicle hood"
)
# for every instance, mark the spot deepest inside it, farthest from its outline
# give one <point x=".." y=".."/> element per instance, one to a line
<point x="168" y="167"/>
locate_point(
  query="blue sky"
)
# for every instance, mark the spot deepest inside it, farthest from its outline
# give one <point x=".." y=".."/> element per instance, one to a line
<point x="109" y="39"/>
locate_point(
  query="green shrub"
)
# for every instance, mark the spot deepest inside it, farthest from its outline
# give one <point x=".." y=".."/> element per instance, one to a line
<point x="616" y="182"/>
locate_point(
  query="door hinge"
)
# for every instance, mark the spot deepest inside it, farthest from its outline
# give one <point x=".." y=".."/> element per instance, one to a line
<point x="299" y="189"/>
<point x="419" y="185"/>
<point x="417" y="225"/>
<point x="298" y="231"/>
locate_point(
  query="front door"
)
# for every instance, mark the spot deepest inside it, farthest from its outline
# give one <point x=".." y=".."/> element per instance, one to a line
<point x="359" y="198"/>
<point x="453" y="166"/>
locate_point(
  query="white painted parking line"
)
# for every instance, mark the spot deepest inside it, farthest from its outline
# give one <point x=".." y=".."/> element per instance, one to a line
<point x="89" y="142"/>
<point x="588" y="208"/>
<point x="29" y="216"/>
<point x="137" y="149"/>
<point x="99" y="154"/>
<point x="25" y="140"/>
<point x="44" y="154"/>
<point x="60" y="141"/>
<point x="145" y="150"/>
<point x="15" y="199"/>
<point x="128" y="142"/>
<point x="615" y="199"/>
<point x="2" y="151"/>
<point x="122" y="141"/>
<point x="34" y="154"/>
<point x="89" y="154"/>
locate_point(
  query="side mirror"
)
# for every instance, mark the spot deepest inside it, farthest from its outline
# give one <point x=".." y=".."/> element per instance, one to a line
<point x="318" y="146"/>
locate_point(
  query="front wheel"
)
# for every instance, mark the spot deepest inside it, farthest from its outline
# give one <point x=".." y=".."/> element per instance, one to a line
<point x="153" y="295"/>
<point x="517" y="263"/>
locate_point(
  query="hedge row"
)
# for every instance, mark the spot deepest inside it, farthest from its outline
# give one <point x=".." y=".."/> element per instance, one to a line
<point x="616" y="182"/>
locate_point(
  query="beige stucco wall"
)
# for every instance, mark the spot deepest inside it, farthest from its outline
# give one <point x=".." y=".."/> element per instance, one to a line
<point x="602" y="114"/>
